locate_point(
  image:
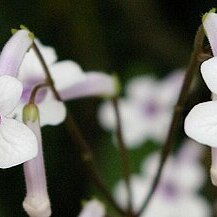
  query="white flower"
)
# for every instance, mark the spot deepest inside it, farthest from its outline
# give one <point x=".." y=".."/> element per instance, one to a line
<point x="69" y="79"/>
<point x="176" y="194"/>
<point x="146" y="111"/>
<point x="36" y="202"/>
<point x="93" y="208"/>
<point x="17" y="142"/>
<point x="201" y="122"/>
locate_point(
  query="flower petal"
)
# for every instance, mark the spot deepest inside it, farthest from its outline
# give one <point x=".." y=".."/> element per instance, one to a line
<point x="139" y="187"/>
<point x="17" y="143"/>
<point x="13" y="52"/>
<point x="201" y="123"/>
<point x="10" y="93"/>
<point x="52" y="111"/>
<point x="142" y="87"/>
<point x="170" y="87"/>
<point x="134" y="128"/>
<point x="209" y="73"/>
<point x="94" y="84"/>
<point x="66" y="73"/>
<point x="93" y="208"/>
<point x="210" y="26"/>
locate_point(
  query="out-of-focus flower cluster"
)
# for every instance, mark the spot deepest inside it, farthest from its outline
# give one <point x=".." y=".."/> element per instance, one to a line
<point x="147" y="109"/>
<point x="177" y="193"/>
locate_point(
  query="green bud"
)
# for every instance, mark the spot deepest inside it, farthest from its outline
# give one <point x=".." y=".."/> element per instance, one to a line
<point x="213" y="10"/>
<point x="13" y="31"/>
<point x="117" y="84"/>
<point x="30" y="113"/>
<point x="23" y="27"/>
<point x="31" y="34"/>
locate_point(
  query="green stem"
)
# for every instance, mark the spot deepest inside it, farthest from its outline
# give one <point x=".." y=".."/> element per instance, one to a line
<point x="123" y="155"/>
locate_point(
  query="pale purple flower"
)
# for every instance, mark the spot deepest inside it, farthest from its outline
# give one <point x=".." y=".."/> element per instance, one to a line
<point x="17" y="142"/>
<point x="36" y="203"/>
<point x="201" y="122"/>
<point x="146" y="110"/>
<point x="70" y="81"/>
<point x="93" y="208"/>
<point x="177" y="193"/>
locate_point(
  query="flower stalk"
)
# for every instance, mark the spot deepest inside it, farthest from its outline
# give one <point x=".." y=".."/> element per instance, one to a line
<point x="123" y="155"/>
<point x="78" y="137"/>
<point x="191" y="70"/>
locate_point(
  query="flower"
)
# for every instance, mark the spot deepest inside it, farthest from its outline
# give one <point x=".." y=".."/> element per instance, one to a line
<point x="93" y="208"/>
<point x="177" y="192"/>
<point x="201" y="122"/>
<point x="17" y="142"/>
<point x="36" y="202"/>
<point x="69" y="80"/>
<point x="146" y="111"/>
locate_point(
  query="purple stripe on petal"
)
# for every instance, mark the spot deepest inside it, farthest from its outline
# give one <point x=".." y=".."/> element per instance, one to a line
<point x="27" y="93"/>
<point x="28" y="86"/>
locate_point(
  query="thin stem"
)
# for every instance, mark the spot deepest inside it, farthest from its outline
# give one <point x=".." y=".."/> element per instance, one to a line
<point x="123" y="154"/>
<point x="46" y="70"/>
<point x="78" y="137"/>
<point x="34" y="92"/>
<point x="191" y="70"/>
<point x="87" y="158"/>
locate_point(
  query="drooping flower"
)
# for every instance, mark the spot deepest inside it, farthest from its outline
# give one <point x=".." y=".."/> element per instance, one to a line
<point x="37" y="202"/>
<point x="93" y="208"/>
<point x="69" y="79"/>
<point x="201" y="122"/>
<point x="146" y="111"/>
<point x="177" y="192"/>
<point x="17" y="142"/>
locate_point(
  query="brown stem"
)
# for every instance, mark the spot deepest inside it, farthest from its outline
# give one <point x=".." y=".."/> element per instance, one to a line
<point x="34" y="92"/>
<point x="123" y="154"/>
<point x="191" y="70"/>
<point x="78" y="137"/>
<point x="87" y="157"/>
<point x="46" y="70"/>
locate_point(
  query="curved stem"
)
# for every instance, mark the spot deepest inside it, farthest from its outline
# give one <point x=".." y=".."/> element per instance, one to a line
<point x="191" y="70"/>
<point x="78" y="137"/>
<point x="87" y="157"/>
<point x="35" y="91"/>
<point x="46" y="70"/>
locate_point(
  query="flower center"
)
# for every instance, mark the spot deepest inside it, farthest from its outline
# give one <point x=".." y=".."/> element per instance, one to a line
<point x="169" y="190"/>
<point x="150" y="108"/>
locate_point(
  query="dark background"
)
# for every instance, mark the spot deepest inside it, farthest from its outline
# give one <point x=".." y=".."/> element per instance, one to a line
<point x="129" y="37"/>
